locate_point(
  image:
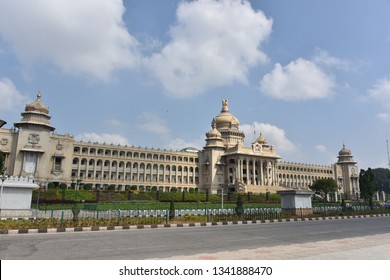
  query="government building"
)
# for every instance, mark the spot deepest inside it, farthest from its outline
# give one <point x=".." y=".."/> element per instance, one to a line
<point x="32" y="149"/>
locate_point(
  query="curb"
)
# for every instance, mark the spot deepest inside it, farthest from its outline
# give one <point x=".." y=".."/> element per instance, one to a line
<point x="161" y="226"/>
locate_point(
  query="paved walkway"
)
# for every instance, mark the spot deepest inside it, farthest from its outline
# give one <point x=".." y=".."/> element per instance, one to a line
<point x="372" y="247"/>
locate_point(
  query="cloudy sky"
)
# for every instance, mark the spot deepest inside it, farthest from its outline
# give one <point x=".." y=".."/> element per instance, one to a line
<point x="310" y="75"/>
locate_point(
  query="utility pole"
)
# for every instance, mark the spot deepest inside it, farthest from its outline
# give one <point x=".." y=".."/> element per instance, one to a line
<point x="388" y="155"/>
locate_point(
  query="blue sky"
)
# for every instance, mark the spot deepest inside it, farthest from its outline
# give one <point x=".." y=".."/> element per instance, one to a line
<point x="310" y="75"/>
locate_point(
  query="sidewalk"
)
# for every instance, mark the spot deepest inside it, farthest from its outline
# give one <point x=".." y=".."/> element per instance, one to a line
<point x="372" y="247"/>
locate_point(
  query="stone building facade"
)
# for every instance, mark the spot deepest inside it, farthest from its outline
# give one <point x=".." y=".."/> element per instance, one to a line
<point x="225" y="163"/>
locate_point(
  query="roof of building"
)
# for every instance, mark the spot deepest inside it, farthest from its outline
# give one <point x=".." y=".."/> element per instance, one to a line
<point x="37" y="106"/>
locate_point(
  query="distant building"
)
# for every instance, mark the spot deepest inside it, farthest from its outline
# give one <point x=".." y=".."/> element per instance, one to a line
<point x="33" y="149"/>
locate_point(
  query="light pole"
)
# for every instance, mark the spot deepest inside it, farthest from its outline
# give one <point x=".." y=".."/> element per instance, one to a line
<point x="2" y="178"/>
<point x="77" y="182"/>
<point x="37" y="208"/>
<point x="222" y="186"/>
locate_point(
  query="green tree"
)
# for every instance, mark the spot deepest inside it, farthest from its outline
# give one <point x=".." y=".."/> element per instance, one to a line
<point x="50" y="186"/>
<point x="239" y="208"/>
<point x="324" y="186"/>
<point x="2" y="163"/>
<point x="87" y="187"/>
<point x="367" y="186"/>
<point x="172" y="210"/>
<point x="382" y="179"/>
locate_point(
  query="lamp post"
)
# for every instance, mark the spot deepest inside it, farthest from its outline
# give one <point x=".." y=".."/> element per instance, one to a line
<point x="37" y="207"/>
<point x="222" y="187"/>
<point x="2" y="178"/>
<point x="77" y="182"/>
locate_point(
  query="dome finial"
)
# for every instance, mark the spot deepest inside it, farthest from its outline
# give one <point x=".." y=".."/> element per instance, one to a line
<point x="225" y="107"/>
<point x="39" y="94"/>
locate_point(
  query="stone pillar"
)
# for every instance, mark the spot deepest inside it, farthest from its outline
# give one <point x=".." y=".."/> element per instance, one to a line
<point x="248" y="176"/>
<point x="298" y="202"/>
<point x="261" y="173"/>
<point x="383" y="196"/>
<point x="275" y="179"/>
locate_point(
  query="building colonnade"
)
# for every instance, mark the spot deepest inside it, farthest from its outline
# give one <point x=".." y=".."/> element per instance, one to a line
<point x="141" y="168"/>
<point x="253" y="171"/>
<point x="301" y="176"/>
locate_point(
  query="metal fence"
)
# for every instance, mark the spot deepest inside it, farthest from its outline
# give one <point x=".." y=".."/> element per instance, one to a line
<point x="152" y="216"/>
<point x="66" y="218"/>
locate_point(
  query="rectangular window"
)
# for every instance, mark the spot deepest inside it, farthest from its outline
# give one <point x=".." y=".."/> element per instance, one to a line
<point x="57" y="164"/>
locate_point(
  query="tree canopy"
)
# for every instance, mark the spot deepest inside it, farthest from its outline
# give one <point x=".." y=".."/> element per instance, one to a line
<point x="324" y="186"/>
<point x="366" y="183"/>
<point x="2" y="163"/>
<point x="382" y="179"/>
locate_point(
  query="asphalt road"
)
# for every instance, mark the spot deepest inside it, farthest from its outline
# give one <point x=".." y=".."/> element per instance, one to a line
<point x="141" y="244"/>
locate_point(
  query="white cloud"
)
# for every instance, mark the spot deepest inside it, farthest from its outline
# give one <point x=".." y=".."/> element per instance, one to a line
<point x="324" y="58"/>
<point x="274" y="135"/>
<point x="381" y="92"/>
<point x="113" y="123"/>
<point x="213" y="43"/>
<point x="179" y="144"/>
<point x="86" y="36"/>
<point x="384" y="116"/>
<point x="321" y="148"/>
<point x="153" y="123"/>
<point x="103" y="138"/>
<point x="10" y="97"/>
<point x="299" y="80"/>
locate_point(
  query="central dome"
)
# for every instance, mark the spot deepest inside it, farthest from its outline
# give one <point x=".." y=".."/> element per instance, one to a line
<point x="225" y="120"/>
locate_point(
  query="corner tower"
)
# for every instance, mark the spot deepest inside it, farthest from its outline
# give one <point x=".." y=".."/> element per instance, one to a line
<point x="35" y="116"/>
<point x="33" y="140"/>
<point x="348" y="173"/>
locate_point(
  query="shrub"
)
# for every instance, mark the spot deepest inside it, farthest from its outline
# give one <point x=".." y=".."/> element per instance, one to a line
<point x="239" y="209"/>
<point x="76" y="212"/>
<point x="87" y="187"/>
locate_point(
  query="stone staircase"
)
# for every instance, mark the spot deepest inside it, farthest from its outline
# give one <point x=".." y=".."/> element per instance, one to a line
<point x="263" y="189"/>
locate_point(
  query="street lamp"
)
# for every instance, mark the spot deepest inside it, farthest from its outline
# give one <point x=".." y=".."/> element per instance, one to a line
<point x="77" y="182"/>
<point x="2" y="178"/>
<point x="222" y="187"/>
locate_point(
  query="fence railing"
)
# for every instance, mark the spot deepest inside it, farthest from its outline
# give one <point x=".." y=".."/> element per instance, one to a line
<point x="66" y="218"/>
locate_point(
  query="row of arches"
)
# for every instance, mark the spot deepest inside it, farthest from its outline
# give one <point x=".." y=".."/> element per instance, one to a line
<point x="104" y="152"/>
<point x="298" y="181"/>
<point x="282" y="167"/>
<point x="99" y="169"/>
<point x="146" y="188"/>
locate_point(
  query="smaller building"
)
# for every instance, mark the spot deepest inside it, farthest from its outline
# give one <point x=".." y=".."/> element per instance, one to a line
<point x="16" y="195"/>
